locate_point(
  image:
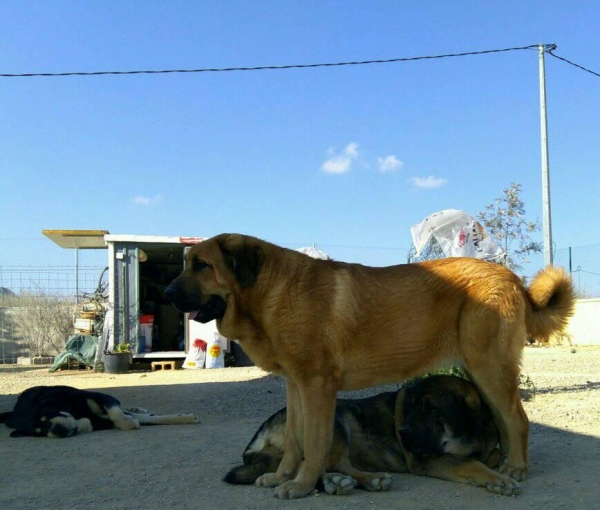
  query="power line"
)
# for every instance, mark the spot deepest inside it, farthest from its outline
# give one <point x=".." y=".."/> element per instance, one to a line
<point x="574" y="64"/>
<point x="551" y="47"/>
<point x="270" y="68"/>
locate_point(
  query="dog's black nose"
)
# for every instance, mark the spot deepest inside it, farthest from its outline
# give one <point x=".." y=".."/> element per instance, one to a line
<point x="170" y="292"/>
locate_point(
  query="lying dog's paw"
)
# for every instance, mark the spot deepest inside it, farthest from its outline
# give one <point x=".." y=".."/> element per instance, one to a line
<point x="84" y="426"/>
<point x="337" y="483"/>
<point x="189" y="418"/>
<point x="503" y="485"/>
<point x="381" y="482"/>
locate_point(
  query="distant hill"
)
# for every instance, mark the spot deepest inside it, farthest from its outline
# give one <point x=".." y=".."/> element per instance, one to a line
<point x="6" y="292"/>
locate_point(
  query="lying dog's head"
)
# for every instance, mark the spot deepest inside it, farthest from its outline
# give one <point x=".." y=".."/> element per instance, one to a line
<point x="444" y="414"/>
<point x="214" y="270"/>
<point x="49" y="411"/>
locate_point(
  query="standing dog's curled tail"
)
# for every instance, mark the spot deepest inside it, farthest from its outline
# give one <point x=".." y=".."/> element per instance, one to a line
<point x="551" y="299"/>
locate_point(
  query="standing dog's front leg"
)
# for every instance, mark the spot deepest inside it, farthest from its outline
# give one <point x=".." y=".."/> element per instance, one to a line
<point x="318" y="407"/>
<point x="292" y="449"/>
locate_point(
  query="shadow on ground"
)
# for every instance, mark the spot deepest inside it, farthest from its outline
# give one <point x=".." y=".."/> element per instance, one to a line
<point x="182" y="466"/>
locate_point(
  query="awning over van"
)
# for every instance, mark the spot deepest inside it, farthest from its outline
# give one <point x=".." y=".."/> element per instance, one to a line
<point x="80" y="239"/>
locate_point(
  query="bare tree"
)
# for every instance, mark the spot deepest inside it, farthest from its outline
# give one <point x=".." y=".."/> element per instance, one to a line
<point x="504" y="219"/>
<point x="44" y="322"/>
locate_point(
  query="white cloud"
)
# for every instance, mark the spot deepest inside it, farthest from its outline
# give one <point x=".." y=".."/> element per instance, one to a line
<point x="351" y="150"/>
<point x="428" y="182"/>
<point x="341" y="163"/>
<point x="389" y="163"/>
<point x="145" y="201"/>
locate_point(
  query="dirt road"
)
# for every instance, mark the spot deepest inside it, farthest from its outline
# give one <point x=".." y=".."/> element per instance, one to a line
<point x="182" y="466"/>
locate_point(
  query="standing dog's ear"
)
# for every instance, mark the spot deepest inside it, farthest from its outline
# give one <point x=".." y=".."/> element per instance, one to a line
<point x="243" y="257"/>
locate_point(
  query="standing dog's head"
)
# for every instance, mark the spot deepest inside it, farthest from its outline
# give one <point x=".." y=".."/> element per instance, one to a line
<point x="214" y="270"/>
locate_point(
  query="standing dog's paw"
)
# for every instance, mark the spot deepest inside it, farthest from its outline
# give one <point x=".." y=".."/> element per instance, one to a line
<point x="516" y="473"/>
<point x="337" y="483"/>
<point x="270" y="480"/>
<point x="293" y="490"/>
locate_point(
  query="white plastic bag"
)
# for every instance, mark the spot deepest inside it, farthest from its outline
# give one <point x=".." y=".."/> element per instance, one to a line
<point x="215" y="357"/>
<point x="196" y="356"/>
<point x="457" y="233"/>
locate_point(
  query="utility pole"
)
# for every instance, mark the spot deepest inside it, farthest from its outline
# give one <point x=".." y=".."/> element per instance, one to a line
<point x="547" y="214"/>
<point x="76" y="275"/>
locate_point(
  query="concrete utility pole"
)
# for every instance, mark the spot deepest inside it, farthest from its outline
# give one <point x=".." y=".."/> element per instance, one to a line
<point x="547" y="213"/>
<point x="76" y="276"/>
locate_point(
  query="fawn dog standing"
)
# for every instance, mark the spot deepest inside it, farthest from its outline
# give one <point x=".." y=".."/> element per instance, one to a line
<point x="328" y="326"/>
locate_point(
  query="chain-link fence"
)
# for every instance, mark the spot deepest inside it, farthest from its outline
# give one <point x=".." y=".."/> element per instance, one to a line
<point x="36" y="307"/>
<point x="583" y="262"/>
<point x="55" y="280"/>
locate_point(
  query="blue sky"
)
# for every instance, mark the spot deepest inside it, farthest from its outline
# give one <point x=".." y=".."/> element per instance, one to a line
<point x="345" y="157"/>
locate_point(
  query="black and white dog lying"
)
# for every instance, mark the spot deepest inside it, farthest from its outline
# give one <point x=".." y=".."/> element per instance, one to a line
<point x="63" y="411"/>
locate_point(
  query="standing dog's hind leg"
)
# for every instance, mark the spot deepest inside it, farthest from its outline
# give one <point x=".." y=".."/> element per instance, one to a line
<point x="494" y="365"/>
<point x="500" y="389"/>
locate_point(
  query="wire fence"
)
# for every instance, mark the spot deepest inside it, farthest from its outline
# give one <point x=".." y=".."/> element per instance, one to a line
<point x="31" y="300"/>
<point x="583" y="262"/>
<point x="55" y="280"/>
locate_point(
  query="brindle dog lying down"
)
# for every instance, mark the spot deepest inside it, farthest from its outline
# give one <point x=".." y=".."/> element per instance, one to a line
<point x="437" y="426"/>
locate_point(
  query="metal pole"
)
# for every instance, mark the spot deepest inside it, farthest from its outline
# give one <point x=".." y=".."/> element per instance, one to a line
<point x="547" y="214"/>
<point x="125" y="297"/>
<point x="76" y="276"/>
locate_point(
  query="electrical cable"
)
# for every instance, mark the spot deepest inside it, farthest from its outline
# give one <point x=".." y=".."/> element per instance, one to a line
<point x="268" y="68"/>
<point x="574" y="64"/>
<point x="549" y="49"/>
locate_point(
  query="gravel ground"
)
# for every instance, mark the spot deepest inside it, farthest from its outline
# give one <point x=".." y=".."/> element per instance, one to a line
<point x="182" y="466"/>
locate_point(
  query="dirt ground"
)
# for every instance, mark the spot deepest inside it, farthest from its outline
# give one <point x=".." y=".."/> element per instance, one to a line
<point x="182" y="466"/>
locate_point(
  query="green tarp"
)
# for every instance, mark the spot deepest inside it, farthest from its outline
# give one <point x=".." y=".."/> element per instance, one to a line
<point x="81" y="348"/>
